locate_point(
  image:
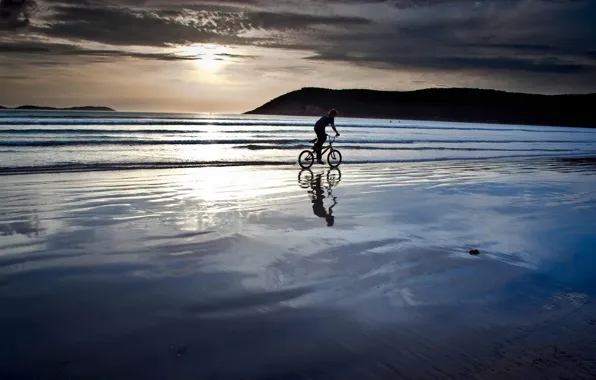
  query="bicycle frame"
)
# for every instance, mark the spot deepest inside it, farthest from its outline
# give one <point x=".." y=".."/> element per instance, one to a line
<point x="334" y="158"/>
<point x="331" y="140"/>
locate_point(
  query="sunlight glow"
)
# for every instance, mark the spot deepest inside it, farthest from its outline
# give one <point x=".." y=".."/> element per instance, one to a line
<point x="210" y="58"/>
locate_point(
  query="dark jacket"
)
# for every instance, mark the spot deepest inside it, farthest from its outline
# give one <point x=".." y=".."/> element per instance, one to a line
<point x="324" y="122"/>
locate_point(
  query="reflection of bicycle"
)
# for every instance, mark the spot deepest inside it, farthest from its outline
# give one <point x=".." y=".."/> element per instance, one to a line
<point x="307" y="157"/>
<point x="305" y="177"/>
<point x="318" y="192"/>
<point x="333" y="177"/>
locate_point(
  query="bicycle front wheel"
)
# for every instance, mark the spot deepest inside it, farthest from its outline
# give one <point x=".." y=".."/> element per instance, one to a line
<point x="333" y="177"/>
<point x="334" y="158"/>
<point x="306" y="159"/>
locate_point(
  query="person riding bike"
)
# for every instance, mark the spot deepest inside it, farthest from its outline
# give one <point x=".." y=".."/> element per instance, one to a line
<point x="320" y="126"/>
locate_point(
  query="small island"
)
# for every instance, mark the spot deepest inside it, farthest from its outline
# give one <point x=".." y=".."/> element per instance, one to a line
<point x="42" y="108"/>
<point x="440" y="104"/>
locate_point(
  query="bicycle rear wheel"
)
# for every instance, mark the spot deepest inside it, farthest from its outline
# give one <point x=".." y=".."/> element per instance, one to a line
<point x="306" y="159"/>
<point x="305" y="178"/>
<point x="334" y="158"/>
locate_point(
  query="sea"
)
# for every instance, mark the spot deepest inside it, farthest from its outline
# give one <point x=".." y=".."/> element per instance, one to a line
<point x="54" y="141"/>
<point x="437" y="250"/>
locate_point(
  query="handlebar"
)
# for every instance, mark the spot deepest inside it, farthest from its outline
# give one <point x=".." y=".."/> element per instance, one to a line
<point x="331" y="138"/>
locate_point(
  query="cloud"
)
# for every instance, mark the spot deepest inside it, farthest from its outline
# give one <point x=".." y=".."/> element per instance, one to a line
<point x="46" y="50"/>
<point x="464" y="63"/>
<point x="20" y="48"/>
<point x="499" y="39"/>
<point x="14" y="14"/>
<point x="154" y="26"/>
<point x="13" y="77"/>
<point x="503" y="38"/>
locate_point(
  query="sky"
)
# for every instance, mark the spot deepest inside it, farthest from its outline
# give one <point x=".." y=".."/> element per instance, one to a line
<point x="231" y="56"/>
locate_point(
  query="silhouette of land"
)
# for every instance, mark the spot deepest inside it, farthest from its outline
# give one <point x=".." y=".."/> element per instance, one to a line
<point x="451" y="104"/>
<point x="41" y="108"/>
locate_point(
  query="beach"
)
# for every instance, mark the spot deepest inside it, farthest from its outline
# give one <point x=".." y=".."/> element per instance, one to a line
<point x="124" y="255"/>
<point x="235" y="272"/>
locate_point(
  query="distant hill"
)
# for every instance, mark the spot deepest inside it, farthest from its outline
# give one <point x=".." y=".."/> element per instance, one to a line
<point x="83" y="108"/>
<point x="450" y="104"/>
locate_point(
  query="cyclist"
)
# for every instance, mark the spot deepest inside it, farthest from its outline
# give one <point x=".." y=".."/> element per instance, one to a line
<point x="320" y="131"/>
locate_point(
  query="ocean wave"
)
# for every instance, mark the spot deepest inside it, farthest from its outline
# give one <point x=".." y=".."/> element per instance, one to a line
<point x="70" y="131"/>
<point x="125" y="122"/>
<point x="86" y="131"/>
<point x="281" y="142"/>
<point x="65" y="168"/>
<point x="55" y="143"/>
<point x="54" y="114"/>
<point x="361" y="147"/>
<point x="249" y="123"/>
<point x="69" y="122"/>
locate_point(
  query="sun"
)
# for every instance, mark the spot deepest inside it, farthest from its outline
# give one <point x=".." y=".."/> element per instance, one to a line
<point x="210" y="58"/>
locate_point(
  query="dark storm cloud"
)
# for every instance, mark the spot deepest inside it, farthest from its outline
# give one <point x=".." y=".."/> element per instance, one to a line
<point x="116" y="25"/>
<point x="154" y="26"/>
<point x="508" y="36"/>
<point x="14" y="14"/>
<point x="23" y="48"/>
<point x="465" y="64"/>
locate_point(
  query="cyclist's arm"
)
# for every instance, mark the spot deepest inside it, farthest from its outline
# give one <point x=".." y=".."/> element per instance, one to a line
<point x="334" y="130"/>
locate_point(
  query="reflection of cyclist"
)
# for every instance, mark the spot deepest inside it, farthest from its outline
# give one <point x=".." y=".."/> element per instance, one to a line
<point x="318" y="208"/>
<point x="320" y="126"/>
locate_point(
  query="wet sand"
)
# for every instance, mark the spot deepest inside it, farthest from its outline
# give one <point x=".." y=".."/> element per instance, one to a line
<point x="277" y="273"/>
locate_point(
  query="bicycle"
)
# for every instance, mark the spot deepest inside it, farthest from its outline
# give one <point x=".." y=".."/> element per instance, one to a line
<point x="307" y="157"/>
<point x="306" y="176"/>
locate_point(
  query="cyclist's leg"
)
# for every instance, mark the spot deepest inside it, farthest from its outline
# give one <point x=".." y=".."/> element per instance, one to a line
<point x="321" y="137"/>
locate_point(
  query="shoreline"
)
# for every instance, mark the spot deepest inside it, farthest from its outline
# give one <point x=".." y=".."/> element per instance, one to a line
<point x="132" y="166"/>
